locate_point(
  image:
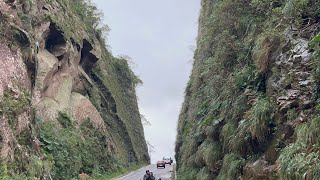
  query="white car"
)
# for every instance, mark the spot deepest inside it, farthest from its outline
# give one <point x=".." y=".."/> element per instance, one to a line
<point x="167" y="160"/>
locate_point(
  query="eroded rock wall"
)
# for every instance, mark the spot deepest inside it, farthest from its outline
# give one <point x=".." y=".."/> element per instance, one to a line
<point x="61" y="88"/>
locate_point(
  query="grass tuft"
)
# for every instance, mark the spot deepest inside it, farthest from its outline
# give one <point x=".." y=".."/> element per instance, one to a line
<point x="227" y="134"/>
<point x="212" y="153"/>
<point x="204" y="174"/>
<point x="260" y="115"/>
<point x="232" y="167"/>
<point x="267" y="44"/>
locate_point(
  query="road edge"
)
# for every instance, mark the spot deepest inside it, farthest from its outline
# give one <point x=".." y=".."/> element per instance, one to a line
<point x="173" y="172"/>
<point x="124" y="175"/>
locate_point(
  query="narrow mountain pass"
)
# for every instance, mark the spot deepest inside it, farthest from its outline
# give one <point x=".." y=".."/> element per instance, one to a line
<point x="159" y="173"/>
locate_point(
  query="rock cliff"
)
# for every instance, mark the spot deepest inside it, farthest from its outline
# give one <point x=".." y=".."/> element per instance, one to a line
<point x="67" y="105"/>
<point x="251" y="108"/>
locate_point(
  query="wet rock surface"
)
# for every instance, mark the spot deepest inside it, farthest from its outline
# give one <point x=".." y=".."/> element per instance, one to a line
<point x="294" y="80"/>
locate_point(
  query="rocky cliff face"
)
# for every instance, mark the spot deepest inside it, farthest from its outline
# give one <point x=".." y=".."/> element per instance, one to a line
<point x="251" y="108"/>
<point x="67" y="105"/>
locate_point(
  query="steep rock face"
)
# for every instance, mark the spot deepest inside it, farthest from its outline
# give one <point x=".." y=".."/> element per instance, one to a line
<point x="63" y="95"/>
<point x="251" y="104"/>
<point x="15" y="92"/>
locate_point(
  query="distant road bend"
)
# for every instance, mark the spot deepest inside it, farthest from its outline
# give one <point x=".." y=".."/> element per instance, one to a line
<point x="163" y="173"/>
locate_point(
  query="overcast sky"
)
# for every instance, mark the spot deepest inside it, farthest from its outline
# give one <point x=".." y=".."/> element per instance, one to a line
<point x="159" y="36"/>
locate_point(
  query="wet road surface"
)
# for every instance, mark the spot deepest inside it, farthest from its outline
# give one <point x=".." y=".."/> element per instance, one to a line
<point x="163" y="173"/>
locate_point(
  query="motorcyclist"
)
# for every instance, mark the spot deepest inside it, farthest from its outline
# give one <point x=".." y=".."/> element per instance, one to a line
<point x="147" y="175"/>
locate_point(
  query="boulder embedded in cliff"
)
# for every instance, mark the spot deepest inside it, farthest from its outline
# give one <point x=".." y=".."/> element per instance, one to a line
<point x="60" y="89"/>
<point x="82" y="109"/>
<point x="55" y="99"/>
<point x="53" y="89"/>
<point x="47" y="65"/>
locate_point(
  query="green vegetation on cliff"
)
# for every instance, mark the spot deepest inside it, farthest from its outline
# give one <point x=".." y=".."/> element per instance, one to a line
<point x="252" y="93"/>
<point x="77" y="109"/>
